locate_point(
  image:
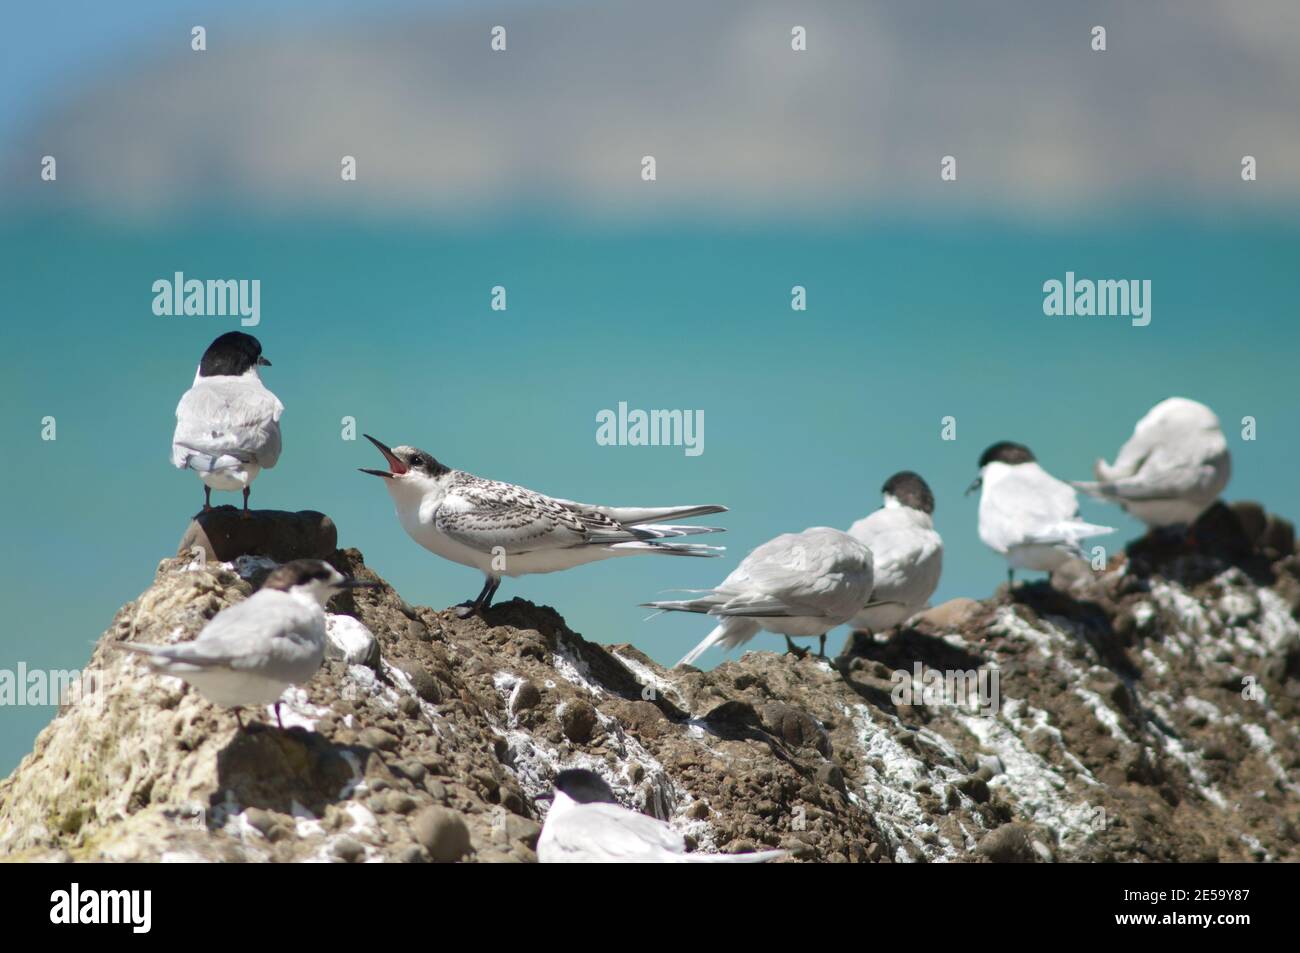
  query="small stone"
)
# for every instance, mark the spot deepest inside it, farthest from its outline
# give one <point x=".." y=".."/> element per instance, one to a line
<point x="975" y="788"/>
<point x="578" y="720"/>
<point x="953" y="614"/>
<point x="399" y="803"/>
<point x="443" y="833"/>
<point x="1009" y="844"/>
<point x="1041" y="741"/>
<point x="410" y="706"/>
<point x="698" y="811"/>
<point x="831" y="775"/>
<point x="795" y="727"/>
<point x="526" y="695"/>
<point x="347" y="638"/>
<point x="424" y="682"/>
<point x="437" y="790"/>
<point x="347" y="850"/>
<point x="411" y="770"/>
<point x="259" y="820"/>
<point x="378" y="738"/>
<point x="411" y="854"/>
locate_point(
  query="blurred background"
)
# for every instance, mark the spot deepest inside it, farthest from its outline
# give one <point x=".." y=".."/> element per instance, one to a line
<point x="522" y="169"/>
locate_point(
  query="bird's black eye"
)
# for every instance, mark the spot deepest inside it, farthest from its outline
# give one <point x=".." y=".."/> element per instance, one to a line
<point x="417" y="461"/>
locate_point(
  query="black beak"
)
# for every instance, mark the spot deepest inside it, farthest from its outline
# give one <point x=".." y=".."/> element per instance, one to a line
<point x="395" y="466"/>
<point x="979" y="482"/>
<point x="263" y="362"/>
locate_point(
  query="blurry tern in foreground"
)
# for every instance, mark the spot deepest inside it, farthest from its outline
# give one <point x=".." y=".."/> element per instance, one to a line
<point x="228" y="423"/>
<point x="906" y="552"/>
<point x="1173" y="467"/>
<point x="1026" y="514"/>
<point x="586" y="824"/>
<point x="505" y="530"/>
<point x="800" y="584"/>
<point x="252" y="651"/>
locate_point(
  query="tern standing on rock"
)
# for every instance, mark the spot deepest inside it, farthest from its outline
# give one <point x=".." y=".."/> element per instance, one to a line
<point x="1026" y="514"/>
<point x="252" y="651"/>
<point x="228" y="423"/>
<point x="906" y="552"/>
<point x="587" y="825"/>
<point x="1173" y="467"/>
<point x="505" y="530"/>
<point x="800" y="584"/>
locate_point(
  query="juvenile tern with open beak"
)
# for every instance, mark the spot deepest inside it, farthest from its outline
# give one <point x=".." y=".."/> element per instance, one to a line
<point x="505" y="530"/>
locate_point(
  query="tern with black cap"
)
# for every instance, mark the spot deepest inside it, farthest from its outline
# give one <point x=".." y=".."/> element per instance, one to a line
<point x="228" y="423"/>
<point x="906" y="552"/>
<point x="252" y="651"/>
<point x="1026" y="514"/>
<point x="587" y="825"/>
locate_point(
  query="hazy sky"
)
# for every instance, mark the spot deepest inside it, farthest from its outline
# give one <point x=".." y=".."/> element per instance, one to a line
<point x="775" y="168"/>
<point x="739" y="124"/>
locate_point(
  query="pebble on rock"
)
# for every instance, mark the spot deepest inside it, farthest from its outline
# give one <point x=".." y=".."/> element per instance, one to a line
<point x="578" y="719"/>
<point x="443" y="833"/>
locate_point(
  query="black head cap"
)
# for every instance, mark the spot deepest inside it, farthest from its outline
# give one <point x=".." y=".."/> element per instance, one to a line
<point x="585" y="787"/>
<point x="300" y="572"/>
<point x="910" y="490"/>
<point x="1005" y="451"/>
<point x="232" y="354"/>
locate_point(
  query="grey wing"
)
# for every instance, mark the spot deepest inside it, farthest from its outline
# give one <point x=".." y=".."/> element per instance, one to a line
<point x="1153" y="483"/>
<point x="793" y="576"/>
<point x="1166" y="438"/>
<point x="608" y="833"/>
<point x="1030" y="506"/>
<point x="906" y="566"/>
<point x="1130" y="458"/>
<point x="222" y="424"/>
<point x="268" y="632"/>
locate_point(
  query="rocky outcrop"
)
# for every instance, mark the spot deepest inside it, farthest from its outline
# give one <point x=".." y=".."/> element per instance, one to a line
<point x="1149" y="712"/>
<point x="225" y="533"/>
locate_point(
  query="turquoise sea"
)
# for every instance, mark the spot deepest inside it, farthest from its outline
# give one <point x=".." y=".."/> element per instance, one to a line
<point x="806" y="413"/>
